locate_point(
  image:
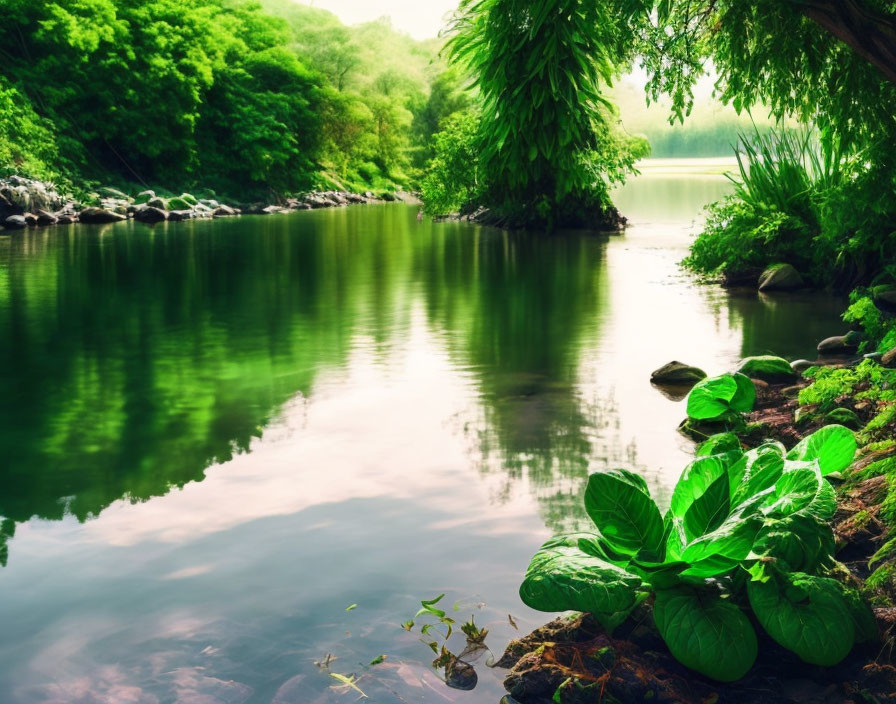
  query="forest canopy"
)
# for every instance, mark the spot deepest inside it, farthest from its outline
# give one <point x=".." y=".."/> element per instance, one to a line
<point x="241" y="97"/>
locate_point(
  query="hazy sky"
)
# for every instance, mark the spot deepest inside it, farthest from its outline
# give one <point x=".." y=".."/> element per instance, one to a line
<point x="421" y="19"/>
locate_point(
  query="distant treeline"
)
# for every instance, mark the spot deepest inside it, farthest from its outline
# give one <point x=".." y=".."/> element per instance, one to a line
<point x="242" y="97"/>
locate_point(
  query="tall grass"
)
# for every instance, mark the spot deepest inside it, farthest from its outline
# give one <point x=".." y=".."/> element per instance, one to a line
<point x="778" y="211"/>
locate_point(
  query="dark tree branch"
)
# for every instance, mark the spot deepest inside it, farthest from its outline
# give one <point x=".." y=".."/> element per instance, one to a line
<point x="869" y="32"/>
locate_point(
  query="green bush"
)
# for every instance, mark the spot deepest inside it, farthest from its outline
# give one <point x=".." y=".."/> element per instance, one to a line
<point x="451" y="179"/>
<point x="745" y="530"/>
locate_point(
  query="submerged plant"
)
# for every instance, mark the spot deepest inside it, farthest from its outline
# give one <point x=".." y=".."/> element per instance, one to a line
<point x="745" y="530"/>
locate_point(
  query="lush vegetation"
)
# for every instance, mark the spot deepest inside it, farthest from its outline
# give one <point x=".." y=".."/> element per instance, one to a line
<point x="745" y="531"/>
<point x="820" y="200"/>
<point x="245" y="100"/>
<point x="548" y="143"/>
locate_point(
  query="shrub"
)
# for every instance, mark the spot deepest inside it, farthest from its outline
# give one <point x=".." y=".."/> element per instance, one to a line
<point x="745" y="530"/>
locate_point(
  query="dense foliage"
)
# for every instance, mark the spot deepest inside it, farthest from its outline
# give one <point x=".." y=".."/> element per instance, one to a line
<point x="548" y="144"/>
<point x="745" y="530"/>
<point x="213" y="93"/>
<point x="830" y="208"/>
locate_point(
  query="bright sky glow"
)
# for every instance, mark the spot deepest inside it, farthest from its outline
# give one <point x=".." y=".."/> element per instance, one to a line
<point x="422" y="19"/>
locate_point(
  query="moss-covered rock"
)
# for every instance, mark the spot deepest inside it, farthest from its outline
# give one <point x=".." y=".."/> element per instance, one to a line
<point x="767" y="368"/>
<point x="780" y="277"/>
<point x="179" y="203"/>
<point x="844" y="416"/>
<point x="677" y="373"/>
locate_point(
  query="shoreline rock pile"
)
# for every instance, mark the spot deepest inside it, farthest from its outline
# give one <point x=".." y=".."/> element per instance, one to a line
<point x="27" y="203"/>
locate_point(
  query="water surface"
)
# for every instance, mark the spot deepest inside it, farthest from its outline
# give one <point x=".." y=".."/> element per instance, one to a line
<point x="216" y="436"/>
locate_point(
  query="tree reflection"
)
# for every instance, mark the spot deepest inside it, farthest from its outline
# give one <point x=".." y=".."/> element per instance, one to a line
<point x="132" y="359"/>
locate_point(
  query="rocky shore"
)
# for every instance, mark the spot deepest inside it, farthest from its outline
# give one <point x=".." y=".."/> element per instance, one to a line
<point x="27" y="203"/>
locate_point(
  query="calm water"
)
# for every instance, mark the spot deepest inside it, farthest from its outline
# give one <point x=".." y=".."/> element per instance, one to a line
<point x="216" y="436"/>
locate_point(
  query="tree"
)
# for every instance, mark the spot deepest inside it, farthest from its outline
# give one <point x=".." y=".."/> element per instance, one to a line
<point x="541" y="69"/>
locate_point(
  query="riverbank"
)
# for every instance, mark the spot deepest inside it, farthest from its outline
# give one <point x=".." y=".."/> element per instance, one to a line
<point x="27" y="203"/>
<point x="573" y="659"/>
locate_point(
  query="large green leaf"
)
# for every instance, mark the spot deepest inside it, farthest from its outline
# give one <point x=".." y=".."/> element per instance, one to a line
<point x="802" y="490"/>
<point x="708" y="511"/>
<point x="620" y="506"/>
<point x="562" y="578"/>
<point x="745" y="397"/>
<point x="733" y="540"/>
<point x="834" y="446"/>
<point x="756" y="471"/>
<point x="696" y="478"/>
<point x="706" y="633"/>
<point x="802" y="541"/>
<point x="715" y="398"/>
<point x="721" y="443"/>
<point x="808" y="615"/>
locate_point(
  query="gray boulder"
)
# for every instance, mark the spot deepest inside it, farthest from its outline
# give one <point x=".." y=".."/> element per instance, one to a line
<point x="15" y="222"/>
<point x="801" y="365"/>
<point x="144" y="197"/>
<point x="838" y="345"/>
<point x="99" y="216"/>
<point x="780" y="277"/>
<point x="66" y="219"/>
<point x="149" y="214"/>
<point x="224" y="211"/>
<point x="45" y="218"/>
<point x="180" y="215"/>
<point x="677" y="373"/>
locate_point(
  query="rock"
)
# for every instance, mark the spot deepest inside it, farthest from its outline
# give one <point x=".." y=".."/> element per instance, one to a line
<point x="189" y="198"/>
<point x="224" y="211"/>
<point x="31" y="219"/>
<point x="180" y="215"/>
<point x="144" y="197"/>
<point x="767" y="368"/>
<point x="874" y="356"/>
<point x="839" y="344"/>
<point x="745" y="278"/>
<point x="114" y="193"/>
<point x="889" y="358"/>
<point x="179" y="204"/>
<point x="884" y="298"/>
<point x="780" y="277"/>
<point x="156" y="202"/>
<point x="677" y="373"/>
<point x="801" y="365"/>
<point x="99" y="216"/>
<point x="66" y="220"/>
<point x="15" y="222"/>
<point x="150" y="214"/>
<point x="45" y="218"/>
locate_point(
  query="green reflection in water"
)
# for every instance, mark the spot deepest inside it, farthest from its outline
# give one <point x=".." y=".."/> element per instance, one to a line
<point x="131" y="359"/>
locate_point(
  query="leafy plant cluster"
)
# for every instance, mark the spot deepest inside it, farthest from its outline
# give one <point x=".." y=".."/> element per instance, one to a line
<point x="879" y="328"/>
<point x="745" y="541"/>
<point x="217" y="93"/>
<point x="780" y="209"/>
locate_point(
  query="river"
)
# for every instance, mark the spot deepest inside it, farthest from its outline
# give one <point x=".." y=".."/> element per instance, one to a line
<point x="217" y="437"/>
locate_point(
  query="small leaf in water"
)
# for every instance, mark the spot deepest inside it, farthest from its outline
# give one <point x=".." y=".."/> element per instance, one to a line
<point x="351" y="608"/>
<point x="512" y="622"/>
<point x="429" y="607"/>
<point x="348" y="681"/>
<point x="474" y="634"/>
<point x="378" y="660"/>
<point x="408" y="625"/>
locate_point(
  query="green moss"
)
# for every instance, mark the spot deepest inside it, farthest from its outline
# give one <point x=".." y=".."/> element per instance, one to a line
<point x="767" y="368"/>
<point x="178" y="204"/>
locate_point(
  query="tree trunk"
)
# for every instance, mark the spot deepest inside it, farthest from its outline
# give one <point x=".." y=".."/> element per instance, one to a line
<point x="869" y="32"/>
